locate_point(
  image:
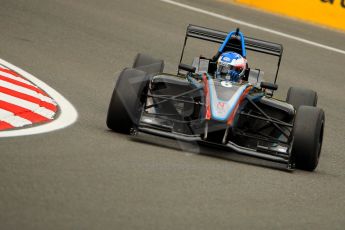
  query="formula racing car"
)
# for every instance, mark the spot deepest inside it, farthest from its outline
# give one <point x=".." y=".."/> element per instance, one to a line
<point x="196" y="105"/>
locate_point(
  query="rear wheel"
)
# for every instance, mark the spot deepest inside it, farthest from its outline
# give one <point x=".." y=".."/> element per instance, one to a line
<point x="308" y="136"/>
<point x="297" y="96"/>
<point x="126" y="102"/>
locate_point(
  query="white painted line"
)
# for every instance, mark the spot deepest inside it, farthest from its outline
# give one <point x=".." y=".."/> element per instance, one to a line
<point x="68" y="114"/>
<point x="250" y="25"/>
<point x="13" y="120"/>
<point x="5" y="113"/>
<point x="26" y="91"/>
<point x="44" y="112"/>
<point x="11" y="76"/>
<point x="27" y="105"/>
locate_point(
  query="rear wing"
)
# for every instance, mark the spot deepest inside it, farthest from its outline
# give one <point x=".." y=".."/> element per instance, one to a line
<point x="252" y="44"/>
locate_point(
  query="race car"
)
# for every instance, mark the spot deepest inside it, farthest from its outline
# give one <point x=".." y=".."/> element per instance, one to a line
<point x="194" y="105"/>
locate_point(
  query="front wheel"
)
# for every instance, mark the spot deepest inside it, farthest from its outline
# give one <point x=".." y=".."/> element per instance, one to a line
<point x="308" y="136"/>
<point x="126" y="102"/>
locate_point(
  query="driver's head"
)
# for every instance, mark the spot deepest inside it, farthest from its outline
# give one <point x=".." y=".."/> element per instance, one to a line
<point x="231" y="66"/>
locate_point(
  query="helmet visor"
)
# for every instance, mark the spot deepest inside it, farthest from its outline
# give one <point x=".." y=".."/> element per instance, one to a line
<point x="225" y="69"/>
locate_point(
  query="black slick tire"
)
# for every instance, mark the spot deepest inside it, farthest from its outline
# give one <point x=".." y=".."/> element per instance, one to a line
<point x="308" y="136"/>
<point x="126" y="102"/>
<point x="298" y="96"/>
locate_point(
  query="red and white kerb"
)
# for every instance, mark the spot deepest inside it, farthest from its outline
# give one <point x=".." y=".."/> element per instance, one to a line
<point x="21" y="102"/>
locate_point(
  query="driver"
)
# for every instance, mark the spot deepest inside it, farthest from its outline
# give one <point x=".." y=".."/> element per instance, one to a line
<point x="231" y="67"/>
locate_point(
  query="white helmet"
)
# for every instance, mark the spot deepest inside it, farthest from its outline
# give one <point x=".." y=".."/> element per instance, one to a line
<point x="231" y="66"/>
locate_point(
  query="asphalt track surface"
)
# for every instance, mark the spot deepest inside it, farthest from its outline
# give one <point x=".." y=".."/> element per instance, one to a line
<point x="87" y="177"/>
